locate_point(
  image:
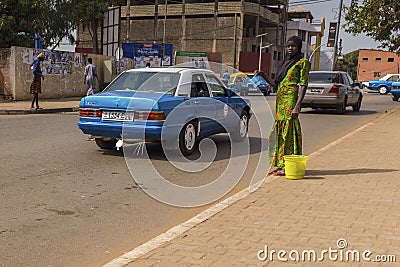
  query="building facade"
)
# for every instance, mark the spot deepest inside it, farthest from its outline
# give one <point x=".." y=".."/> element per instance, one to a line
<point x="227" y="27"/>
<point x="301" y="23"/>
<point x="374" y="64"/>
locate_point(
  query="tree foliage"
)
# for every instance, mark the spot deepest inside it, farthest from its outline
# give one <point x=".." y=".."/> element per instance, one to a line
<point x="17" y="22"/>
<point x="349" y="63"/>
<point x="53" y="20"/>
<point x="89" y="15"/>
<point x="379" y="19"/>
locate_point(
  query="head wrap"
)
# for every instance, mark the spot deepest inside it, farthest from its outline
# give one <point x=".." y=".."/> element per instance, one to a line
<point x="289" y="61"/>
<point x="41" y="56"/>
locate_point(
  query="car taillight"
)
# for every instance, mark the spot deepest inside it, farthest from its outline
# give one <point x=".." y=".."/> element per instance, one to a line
<point x="334" y="90"/>
<point x="146" y="115"/>
<point x="395" y="86"/>
<point x="90" y="112"/>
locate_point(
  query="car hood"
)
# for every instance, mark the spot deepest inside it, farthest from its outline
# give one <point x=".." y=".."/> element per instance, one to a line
<point x="124" y="100"/>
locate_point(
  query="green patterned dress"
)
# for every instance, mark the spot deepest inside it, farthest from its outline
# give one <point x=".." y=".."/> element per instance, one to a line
<point x="285" y="137"/>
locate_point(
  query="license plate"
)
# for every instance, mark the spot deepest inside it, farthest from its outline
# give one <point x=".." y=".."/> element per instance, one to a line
<point x="314" y="90"/>
<point x="117" y="116"/>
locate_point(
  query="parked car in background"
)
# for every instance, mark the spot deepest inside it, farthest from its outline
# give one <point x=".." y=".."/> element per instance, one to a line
<point x="190" y="104"/>
<point x="332" y="90"/>
<point x="395" y="91"/>
<point x="238" y="82"/>
<point x="243" y="83"/>
<point x="384" y="84"/>
<point x="258" y="83"/>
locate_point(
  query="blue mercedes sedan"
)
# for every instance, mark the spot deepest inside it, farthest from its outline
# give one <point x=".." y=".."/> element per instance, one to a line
<point x="178" y="106"/>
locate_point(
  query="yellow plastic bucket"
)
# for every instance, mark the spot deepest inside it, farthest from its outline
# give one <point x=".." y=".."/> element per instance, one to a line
<point x="295" y="166"/>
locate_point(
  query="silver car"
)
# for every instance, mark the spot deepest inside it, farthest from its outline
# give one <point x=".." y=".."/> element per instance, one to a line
<point x="332" y="90"/>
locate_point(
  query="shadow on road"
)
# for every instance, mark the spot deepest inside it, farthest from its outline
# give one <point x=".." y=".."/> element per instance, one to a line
<point x="348" y="112"/>
<point x="155" y="151"/>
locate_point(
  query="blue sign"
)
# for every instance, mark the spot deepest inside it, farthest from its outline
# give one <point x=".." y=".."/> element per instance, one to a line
<point x="148" y="53"/>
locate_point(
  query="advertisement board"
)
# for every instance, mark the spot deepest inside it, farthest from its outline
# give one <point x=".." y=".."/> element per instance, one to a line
<point x="144" y="53"/>
<point x="192" y="59"/>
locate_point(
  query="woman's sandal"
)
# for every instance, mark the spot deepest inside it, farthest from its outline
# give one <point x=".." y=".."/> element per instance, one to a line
<point x="273" y="170"/>
<point x="279" y="173"/>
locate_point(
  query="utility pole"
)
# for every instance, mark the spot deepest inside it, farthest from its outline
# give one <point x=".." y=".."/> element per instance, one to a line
<point x="235" y="43"/>
<point x="214" y="47"/>
<point x="337" y="36"/>
<point x="128" y="19"/>
<point x="155" y="20"/>
<point x="164" y="32"/>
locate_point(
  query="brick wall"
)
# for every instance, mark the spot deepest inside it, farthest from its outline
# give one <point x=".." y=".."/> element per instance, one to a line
<point x="369" y="63"/>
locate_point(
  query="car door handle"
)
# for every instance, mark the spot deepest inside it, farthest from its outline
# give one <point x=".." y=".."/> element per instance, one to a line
<point x="196" y="102"/>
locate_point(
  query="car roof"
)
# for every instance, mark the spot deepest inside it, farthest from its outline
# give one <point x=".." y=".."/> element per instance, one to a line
<point x="241" y="74"/>
<point x="169" y="70"/>
<point x="327" y="71"/>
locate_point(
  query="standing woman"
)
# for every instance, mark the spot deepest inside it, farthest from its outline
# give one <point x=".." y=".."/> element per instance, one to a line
<point x="291" y="83"/>
<point x="36" y="84"/>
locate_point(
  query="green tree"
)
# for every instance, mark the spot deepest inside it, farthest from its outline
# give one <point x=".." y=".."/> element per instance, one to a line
<point x="20" y="20"/>
<point x="379" y="19"/>
<point x="349" y="63"/>
<point x="16" y="23"/>
<point x="53" y="20"/>
<point x="56" y="22"/>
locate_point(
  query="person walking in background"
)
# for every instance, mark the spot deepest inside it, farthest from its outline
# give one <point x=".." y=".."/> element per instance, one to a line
<point x="36" y="84"/>
<point x="225" y="77"/>
<point x="90" y="77"/>
<point x="291" y="83"/>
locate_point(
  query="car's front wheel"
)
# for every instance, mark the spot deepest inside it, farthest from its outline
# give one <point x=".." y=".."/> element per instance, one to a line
<point x="383" y="90"/>
<point x="241" y="131"/>
<point x="105" y="144"/>
<point x="187" y="138"/>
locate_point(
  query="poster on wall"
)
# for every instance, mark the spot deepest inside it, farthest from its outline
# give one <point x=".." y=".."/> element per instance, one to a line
<point x="144" y="53"/>
<point x="197" y="60"/>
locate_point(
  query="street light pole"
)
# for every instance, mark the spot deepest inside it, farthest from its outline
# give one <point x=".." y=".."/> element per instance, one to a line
<point x="312" y="53"/>
<point x="261" y="47"/>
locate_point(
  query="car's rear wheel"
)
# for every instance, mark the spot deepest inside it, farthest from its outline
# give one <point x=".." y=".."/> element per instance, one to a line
<point x="187" y="138"/>
<point x="105" y="144"/>
<point x="357" y="106"/>
<point x="241" y="131"/>
<point x="383" y="90"/>
<point x="341" y="108"/>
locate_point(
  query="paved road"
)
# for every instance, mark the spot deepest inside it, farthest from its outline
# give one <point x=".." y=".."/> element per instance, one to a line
<point x="68" y="203"/>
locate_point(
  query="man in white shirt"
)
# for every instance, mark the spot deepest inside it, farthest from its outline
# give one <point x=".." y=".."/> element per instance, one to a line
<point x="90" y="77"/>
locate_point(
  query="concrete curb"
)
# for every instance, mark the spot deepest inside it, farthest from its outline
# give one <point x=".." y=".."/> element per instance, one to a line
<point x="41" y="111"/>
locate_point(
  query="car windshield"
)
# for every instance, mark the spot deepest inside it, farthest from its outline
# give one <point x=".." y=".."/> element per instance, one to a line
<point x="323" y="77"/>
<point x="139" y="81"/>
